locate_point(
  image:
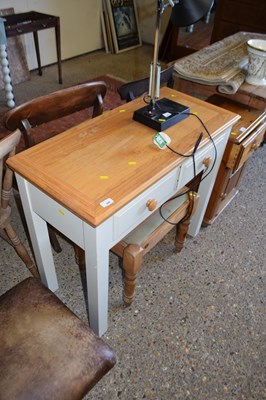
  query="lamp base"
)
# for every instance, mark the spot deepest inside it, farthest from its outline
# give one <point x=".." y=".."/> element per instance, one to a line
<point x="167" y="113"/>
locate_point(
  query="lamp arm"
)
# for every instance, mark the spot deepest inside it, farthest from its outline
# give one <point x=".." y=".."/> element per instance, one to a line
<point x="155" y="65"/>
<point x="155" y="68"/>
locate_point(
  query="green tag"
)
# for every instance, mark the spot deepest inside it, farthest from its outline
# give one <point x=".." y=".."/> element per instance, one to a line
<point x="160" y="140"/>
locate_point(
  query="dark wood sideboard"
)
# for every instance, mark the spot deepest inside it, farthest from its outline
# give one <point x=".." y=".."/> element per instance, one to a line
<point x="246" y="137"/>
<point x="232" y="16"/>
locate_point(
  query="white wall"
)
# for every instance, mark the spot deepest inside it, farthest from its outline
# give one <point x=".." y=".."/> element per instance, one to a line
<point x="80" y="26"/>
<point x="147" y="17"/>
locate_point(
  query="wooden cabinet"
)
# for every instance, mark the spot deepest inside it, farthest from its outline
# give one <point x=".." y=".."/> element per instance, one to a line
<point x="232" y="16"/>
<point x="246" y="136"/>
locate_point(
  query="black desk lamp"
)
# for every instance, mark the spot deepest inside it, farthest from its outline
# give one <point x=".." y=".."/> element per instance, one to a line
<point x="164" y="113"/>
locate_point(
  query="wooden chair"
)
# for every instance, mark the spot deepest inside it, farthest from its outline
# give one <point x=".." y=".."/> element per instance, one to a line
<point x="51" y="107"/>
<point x="132" y="248"/>
<point x="7" y="149"/>
<point x="46" y="351"/>
<point x="129" y="91"/>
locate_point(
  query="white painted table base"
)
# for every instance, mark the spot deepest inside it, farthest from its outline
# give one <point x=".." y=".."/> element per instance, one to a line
<point x="97" y="241"/>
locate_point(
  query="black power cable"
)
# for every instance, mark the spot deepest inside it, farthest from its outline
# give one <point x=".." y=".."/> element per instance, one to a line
<point x="194" y="169"/>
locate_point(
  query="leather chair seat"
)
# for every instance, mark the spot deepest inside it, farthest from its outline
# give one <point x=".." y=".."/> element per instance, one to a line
<point x="46" y="351"/>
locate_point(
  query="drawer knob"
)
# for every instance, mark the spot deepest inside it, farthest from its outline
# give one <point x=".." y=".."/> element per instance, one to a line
<point x="151" y="204"/>
<point x="207" y="161"/>
<point x="254" y="146"/>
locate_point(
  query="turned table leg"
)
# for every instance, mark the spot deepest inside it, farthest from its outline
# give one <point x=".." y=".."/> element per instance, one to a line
<point x="132" y="259"/>
<point x="6" y="76"/>
<point x="5" y="66"/>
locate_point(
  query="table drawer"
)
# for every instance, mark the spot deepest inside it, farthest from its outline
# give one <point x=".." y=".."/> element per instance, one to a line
<point x="137" y="210"/>
<point x="18" y="24"/>
<point x="201" y="160"/>
<point x="57" y="215"/>
<point x="240" y="153"/>
<point x="247" y="132"/>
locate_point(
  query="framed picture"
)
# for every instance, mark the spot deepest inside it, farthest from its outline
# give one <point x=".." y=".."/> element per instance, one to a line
<point x="124" y="24"/>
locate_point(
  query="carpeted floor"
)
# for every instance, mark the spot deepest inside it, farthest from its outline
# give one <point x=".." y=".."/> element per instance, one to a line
<point x="196" y="329"/>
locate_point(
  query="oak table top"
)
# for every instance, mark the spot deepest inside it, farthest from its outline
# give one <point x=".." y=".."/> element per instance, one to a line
<point x="113" y="157"/>
<point x="93" y="181"/>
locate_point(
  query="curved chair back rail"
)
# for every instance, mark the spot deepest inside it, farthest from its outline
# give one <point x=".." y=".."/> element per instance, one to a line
<point x="55" y="105"/>
<point x="9" y="143"/>
<point x="129" y="91"/>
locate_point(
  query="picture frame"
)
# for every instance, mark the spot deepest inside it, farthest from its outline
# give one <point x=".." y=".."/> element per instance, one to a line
<point x="124" y="24"/>
<point x="106" y="28"/>
<point x="106" y="40"/>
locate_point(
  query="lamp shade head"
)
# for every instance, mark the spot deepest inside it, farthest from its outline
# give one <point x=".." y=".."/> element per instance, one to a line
<point x="187" y="12"/>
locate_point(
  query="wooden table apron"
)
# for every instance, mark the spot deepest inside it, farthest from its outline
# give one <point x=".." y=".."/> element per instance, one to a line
<point x="92" y="183"/>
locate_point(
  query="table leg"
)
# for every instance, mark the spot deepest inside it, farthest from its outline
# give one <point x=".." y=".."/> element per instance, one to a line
<point x="37" y="49"/>
<point x="97" y="271"/>
<point x="206" y="186"/>
<point x="39" y="238"/>
<point x="6" y="76"/>
<point x="58" y="48"/>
